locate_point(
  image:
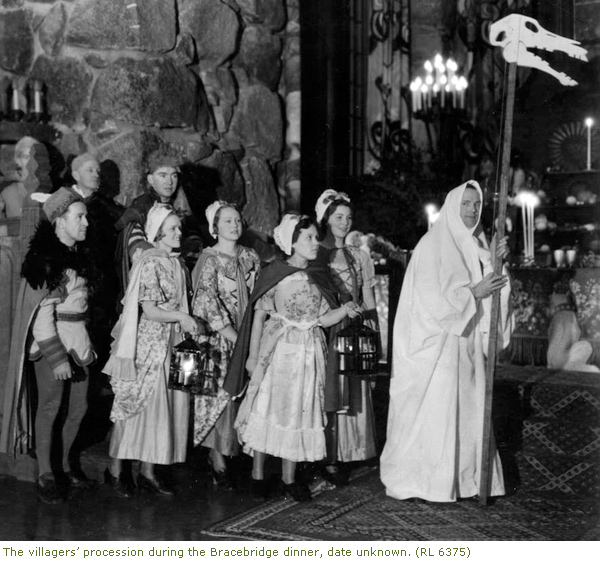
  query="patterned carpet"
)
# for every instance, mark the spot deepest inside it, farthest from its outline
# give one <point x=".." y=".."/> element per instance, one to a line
<point x="361" y="511"/>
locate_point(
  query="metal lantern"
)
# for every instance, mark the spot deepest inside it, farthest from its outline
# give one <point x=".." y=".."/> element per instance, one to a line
<point x="194" y="368"/>
<point x="357" y="348"/>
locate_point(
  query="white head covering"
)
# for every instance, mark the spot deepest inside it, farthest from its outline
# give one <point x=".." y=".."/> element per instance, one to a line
<point x="211" y="212"/>
<point x="285" y="231"/>
<point x="326" y="198"/>
<point x="156" y="216"/>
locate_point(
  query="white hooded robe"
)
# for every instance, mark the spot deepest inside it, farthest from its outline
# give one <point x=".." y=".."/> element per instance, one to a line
<point x="437" y="389"/>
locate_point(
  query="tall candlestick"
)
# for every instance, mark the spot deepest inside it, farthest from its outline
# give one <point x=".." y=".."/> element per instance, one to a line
<point x="589" y="123"/>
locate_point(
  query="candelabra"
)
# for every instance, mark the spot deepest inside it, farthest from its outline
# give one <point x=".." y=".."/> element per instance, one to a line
<point x="438" y="99"/>
<point x="441" y="90"/>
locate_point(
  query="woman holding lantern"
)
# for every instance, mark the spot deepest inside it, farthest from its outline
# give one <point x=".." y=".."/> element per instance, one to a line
<point x="222" y="279"/>
<point x="351" y="428"/>
<point x="282" y="346"/>
<point x="151" y="421"/>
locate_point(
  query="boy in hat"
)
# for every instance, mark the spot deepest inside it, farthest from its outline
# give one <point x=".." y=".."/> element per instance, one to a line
<point x="50" y="332"/>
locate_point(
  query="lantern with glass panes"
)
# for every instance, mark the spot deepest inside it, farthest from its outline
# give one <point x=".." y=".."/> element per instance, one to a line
<point x="194" y="368"/>
<point x="358" y="350"/>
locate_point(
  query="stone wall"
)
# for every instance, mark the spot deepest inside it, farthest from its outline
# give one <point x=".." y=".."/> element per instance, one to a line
<point x="201" y="79"/>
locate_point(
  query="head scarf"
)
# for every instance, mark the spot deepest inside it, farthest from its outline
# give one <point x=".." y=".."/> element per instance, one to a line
<point x="450" y="223"/>
<point x="326" y="198"/>
<point x="284" y="233"/>
<point x="156" y="216"/>
<point x="56" y="203"/>
<point x="81" y="160"/>
<point x="211" y="212"/>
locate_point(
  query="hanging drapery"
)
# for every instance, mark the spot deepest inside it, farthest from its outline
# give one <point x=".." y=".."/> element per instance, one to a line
<point x="388" y="77"/>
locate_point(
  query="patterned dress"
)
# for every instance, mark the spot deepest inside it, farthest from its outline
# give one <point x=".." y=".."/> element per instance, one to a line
<point x="151" y="421"/>
<point x="353" y="271"/>
<point x="283" y="412"/>
<point x="221" y="296"/>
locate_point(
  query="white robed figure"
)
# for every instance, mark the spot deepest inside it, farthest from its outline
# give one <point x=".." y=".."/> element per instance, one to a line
<point x="437" y="389"/>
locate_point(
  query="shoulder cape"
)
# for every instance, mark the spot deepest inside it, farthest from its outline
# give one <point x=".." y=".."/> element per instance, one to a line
<point x="235" y="380"/>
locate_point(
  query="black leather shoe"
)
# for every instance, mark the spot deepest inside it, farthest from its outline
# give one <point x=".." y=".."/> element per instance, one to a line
<point x="259" y="490"/>
<point x="339" y="477"/>
<point x="297" y="491"/>
<point x="222" y="480"/>
<point x="120" y="488"/>
<point x="78" y="480"/>
<point x="153" y="486"/>
<point x="47" y="491"/>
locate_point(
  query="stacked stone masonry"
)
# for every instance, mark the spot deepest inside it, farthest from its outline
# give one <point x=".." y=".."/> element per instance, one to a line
<point x="202" y="79"/>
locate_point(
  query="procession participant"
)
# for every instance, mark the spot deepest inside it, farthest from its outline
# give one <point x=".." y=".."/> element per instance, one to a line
<point x="222" y="280"/>
<point x="50" y="331"/>
<point x="282" y="413"/>
<point x="352" y="428"/>
<point x="103" y="213"/>
<point x="437" y="389"/>
<point x="151" y="420"/>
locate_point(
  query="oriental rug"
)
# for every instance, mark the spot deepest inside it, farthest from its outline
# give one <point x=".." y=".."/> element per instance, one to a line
<point x="362" y="511"/>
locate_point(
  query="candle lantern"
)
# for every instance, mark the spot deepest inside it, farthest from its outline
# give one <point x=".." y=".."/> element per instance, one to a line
<point x="358" y="350"/>
<point x="194" y="368"/>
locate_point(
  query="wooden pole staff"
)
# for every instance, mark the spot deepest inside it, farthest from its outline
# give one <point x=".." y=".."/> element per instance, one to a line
<point x="486" y="452"/>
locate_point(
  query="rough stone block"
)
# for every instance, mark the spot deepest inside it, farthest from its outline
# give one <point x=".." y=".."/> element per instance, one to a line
<point x="16" y="41"/>
<point x="222" y="82"/>
<point x="68" y="81"/>
<point x="213" y="25"/>
<point x="146" y="25"/>
<point x="96" y="61"/>
<point x="262" y="204"/>
<point x="231" y="187"/>
<point x="269" y="12"/>
<point x="185" y="50"/>
<point x="151" y="92"/>
<point x="259" y="55"/>
<point x="52" y="29"/>
<point x="258" y="121"/>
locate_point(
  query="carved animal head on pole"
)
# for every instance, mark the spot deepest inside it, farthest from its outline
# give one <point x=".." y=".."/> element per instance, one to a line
<point x="518" y="34"/>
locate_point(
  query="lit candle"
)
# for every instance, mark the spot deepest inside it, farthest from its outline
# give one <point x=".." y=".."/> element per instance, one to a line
<point x="414" y="95"/>
<point x="37" y="97"/>
<point x="528" y="203"/>
<point x="187" y="369"/>
<point x="432" y="214"/>
<point x="424" y="93"/>
<point x="15" y="96"/>
<point x="436" y="91"/>
<point x="589" y="123"/>
<point x="429" y="83"/>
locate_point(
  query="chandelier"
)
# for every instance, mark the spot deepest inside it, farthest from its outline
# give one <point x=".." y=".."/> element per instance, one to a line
<point x="440" y="89"/>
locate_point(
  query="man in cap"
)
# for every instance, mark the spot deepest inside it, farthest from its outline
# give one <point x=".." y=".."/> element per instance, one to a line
<point x="50" y="338"/>
<point x="163" y="187"/>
